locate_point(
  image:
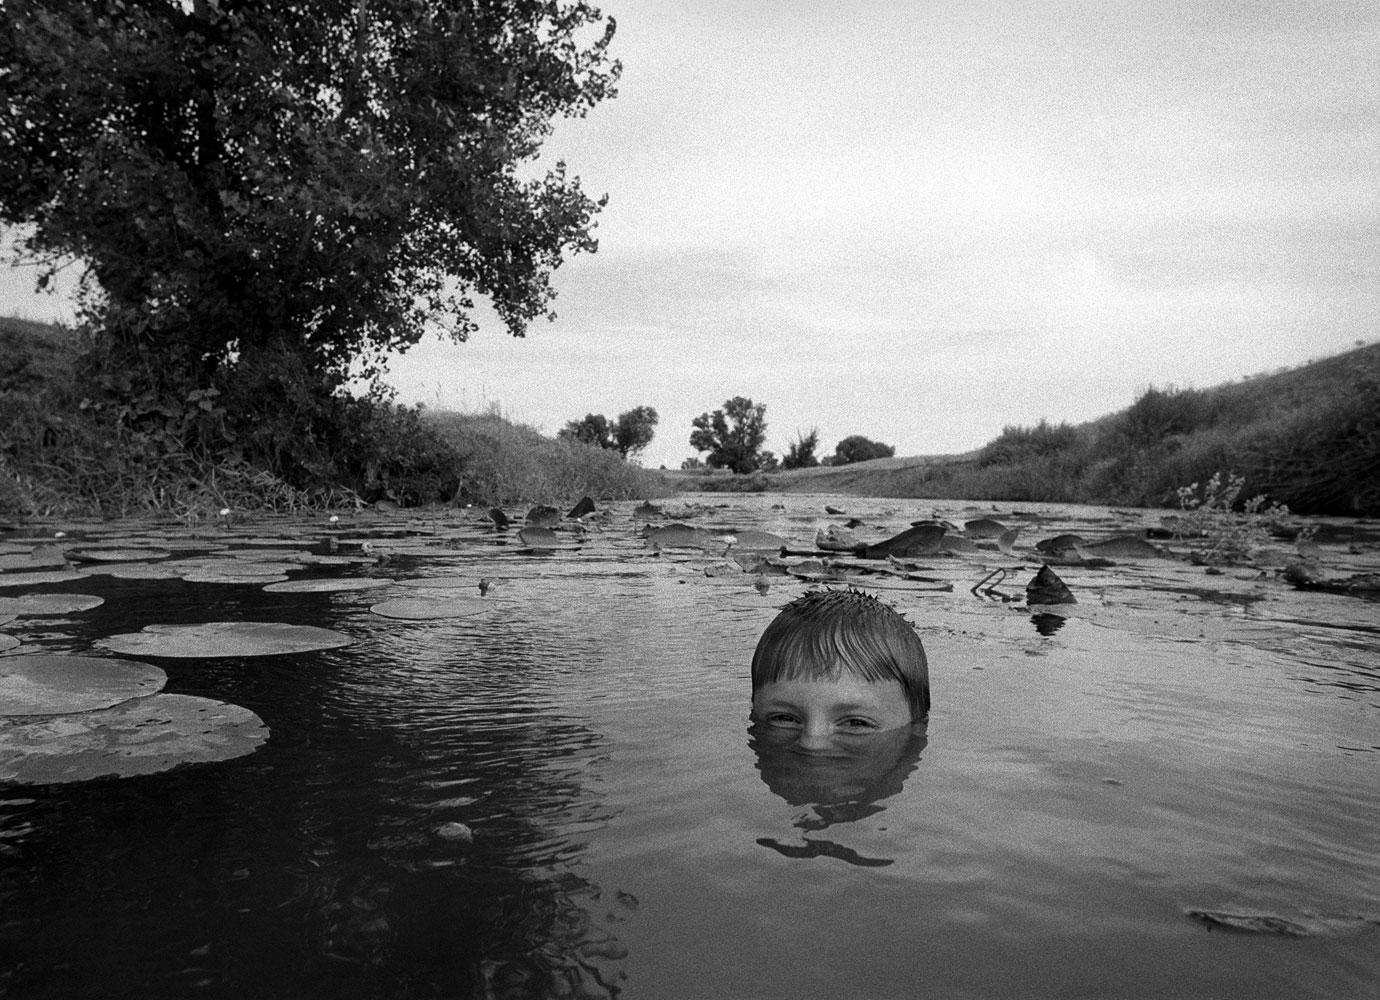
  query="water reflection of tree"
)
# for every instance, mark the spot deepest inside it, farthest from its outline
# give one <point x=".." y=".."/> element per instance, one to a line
<point x="843" y="784"/>
<point x="314" y="868"/>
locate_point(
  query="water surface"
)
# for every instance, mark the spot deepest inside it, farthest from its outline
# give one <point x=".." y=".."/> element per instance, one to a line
<point x="1175" y="742"/>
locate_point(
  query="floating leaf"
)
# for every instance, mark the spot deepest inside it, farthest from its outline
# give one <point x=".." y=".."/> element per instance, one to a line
<point x="429" y="608"/>
<point x="214" y="639"/>
<point x="538" y="538"/>
<point x="42" y="576"/>
<point x="142" y="736"/>
<point x="1269" y="923"/>
<point x="51" y="684"/>
<point x="8" y="641"/>
<point x="1047" y="588"/>
<point x="917" y="540"/>
<point x="133" y="571"/>
<point x="1122" y="547"/>
<point x="1060" y="543"/>
<point x="214" y="576"/>
<point x="585" y="506"/>
<point x="499" y="518"/>
<point x="957" y="543"/>
<point x="680" y="536"/>
<point x="440" y="582"/>
<point x="984" y="527"/>
<point x="542" y="516"/>
<point x="114" y="555"/>
<point x="40" y="557"/>
<point x="1006" y="543"/>
<point x="29" y="605"/>
<point x="647" y="512"/>
<point x="751" y="538"/>
<point x="327" y="585"/>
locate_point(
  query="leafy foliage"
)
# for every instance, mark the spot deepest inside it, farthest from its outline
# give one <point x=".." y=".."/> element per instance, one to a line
<point x="733" y="436"/>
<point x="1229" y="535"/>
<point x="856" y="448"/>
<point x="801" y="452"/>
<point x="324" y="182"/>
<point x="628" y="435"/>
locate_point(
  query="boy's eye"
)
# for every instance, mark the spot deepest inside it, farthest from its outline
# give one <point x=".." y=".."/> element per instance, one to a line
<point x="782" y="719"/>
<point x="859" y="724"/>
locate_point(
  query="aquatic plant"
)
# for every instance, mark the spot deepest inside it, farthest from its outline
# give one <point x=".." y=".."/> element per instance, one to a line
<point x="1228" y="534"/>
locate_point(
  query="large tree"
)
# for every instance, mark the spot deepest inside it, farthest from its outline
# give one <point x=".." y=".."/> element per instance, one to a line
<point x="322" y="180"/>
<point x="733" y="435"/>
<point x="629" y="434"/>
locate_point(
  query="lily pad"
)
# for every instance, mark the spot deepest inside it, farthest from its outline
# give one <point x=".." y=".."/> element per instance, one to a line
<point x="28" y="605"/>
<point x="984" y="527"/>
<point x="681" y="536"/>
<point x="327" y="585"/>
<point x="1122" y="547"/>
<point x="917" y="540"/>
<point x="8" y="642"/>
<point x="237" y="578"/>
<point x="430" y="608"/>
<point x="133" y="570"/>
<point x="40" y="557"/>
<point x="214" y="639"/>
<point x="538" y="537"/>
<point x="113" y="555"/>
<point x="441" y="582"/>
<point x="142" y="736"/>
<point x="1048" y="588"/>
<point x="38" y="577"/>
<point x="542" y="516"/>
<point x="50" y="684"/>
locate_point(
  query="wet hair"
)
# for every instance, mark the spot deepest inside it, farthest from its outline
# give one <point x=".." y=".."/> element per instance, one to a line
<point x="826" y="632"/>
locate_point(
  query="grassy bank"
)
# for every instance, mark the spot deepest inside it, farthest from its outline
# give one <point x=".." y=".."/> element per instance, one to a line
<point x="62" y="455"/>
<point x="1308" y="438"/>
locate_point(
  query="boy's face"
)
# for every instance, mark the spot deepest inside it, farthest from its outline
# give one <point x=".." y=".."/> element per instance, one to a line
<point x="825" y="715"/>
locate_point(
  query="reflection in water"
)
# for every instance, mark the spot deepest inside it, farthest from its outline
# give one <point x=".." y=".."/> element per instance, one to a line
<point x="1046" y="623"/>
<point x="843" y="784"/>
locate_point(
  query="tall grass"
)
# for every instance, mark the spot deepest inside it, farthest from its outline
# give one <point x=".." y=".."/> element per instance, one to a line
<point x="502" y="462"/>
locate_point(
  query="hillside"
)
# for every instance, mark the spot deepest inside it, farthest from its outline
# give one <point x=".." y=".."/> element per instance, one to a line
<point x="1308" y="437"/>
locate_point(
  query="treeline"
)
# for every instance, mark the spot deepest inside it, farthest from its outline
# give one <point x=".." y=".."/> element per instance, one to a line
<point x="1308" y="438"/>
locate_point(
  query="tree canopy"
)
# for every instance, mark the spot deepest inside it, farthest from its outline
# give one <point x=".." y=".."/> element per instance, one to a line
<point x="629" y="434"/>
<point x="733" y="436"/>
<point x="325" y="179"/>
<point x="856" y="448"/>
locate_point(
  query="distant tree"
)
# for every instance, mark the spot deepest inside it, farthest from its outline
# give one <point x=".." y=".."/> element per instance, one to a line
<point x="732" y="435"/>
<point x="634" y="429"/>
<point x="693" y="462"/>
<point x="592" y="430"/>
<point x="856" y="448"/>
<point x="801" y="453"/>
<point x="627" y="435"/>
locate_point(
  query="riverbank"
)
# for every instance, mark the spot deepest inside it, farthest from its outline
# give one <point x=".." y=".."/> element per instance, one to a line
<point x="1306" y="437"/>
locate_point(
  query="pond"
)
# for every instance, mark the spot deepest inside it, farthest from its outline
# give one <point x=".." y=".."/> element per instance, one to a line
<point x="1168" y="788"/>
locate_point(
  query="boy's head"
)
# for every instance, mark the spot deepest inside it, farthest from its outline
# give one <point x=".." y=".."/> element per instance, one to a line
<point x="848" y="639"/>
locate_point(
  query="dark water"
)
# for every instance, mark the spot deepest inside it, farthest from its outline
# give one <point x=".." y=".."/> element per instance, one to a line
<point x="1176" y="742"/>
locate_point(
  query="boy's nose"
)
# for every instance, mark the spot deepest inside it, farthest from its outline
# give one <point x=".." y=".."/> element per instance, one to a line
<point x="816" y="735"/>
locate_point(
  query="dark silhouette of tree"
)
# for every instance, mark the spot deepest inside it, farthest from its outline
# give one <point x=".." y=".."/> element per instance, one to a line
<point x="856" y="448"/>
<point x="733" y="435"/>
<point x="258" y="187"/>
<point x="593" y="430"/>
<point x="628" y="435"/>
<point x="801" y="453"/>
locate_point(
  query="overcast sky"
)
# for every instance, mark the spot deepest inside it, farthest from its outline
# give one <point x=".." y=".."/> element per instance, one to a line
<point x="923" y="221"/>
